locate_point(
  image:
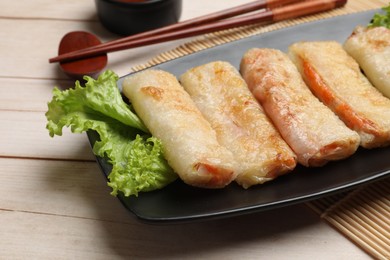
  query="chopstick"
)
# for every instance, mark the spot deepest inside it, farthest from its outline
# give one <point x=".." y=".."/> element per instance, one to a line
<point x="268" y="15"/>
<point x="219" y="15"/>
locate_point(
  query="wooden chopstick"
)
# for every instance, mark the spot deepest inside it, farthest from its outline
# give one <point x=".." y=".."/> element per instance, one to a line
<point x="223" y="14"/>
<point x="219" y="15"/>
<point x="269" y="15"/>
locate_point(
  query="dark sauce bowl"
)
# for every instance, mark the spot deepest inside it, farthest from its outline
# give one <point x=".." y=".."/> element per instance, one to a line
<point x="127" y="17"/>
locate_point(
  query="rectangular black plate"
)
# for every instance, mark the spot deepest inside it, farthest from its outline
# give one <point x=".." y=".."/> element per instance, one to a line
<point x="180" y="202"/>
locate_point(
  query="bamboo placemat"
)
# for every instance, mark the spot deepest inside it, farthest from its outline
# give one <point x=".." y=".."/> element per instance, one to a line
<point x="362" y="215"/>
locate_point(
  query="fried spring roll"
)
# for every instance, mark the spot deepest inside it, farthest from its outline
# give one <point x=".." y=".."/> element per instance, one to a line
<point x="311" y="129"/>
<point x="223" y="97"/>
<point x="335" y="78"/>
<point x="189" y="142"/>
<point x="370" y="47"/>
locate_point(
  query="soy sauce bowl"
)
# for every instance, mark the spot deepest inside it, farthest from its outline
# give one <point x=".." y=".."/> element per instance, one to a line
<point x="127" y="17"/>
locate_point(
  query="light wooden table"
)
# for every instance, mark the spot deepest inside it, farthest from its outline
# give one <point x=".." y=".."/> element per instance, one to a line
<point x="54" y="202"/>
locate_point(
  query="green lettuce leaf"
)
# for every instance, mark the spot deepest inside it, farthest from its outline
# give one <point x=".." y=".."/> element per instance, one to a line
<point x="381" y="19"/>
<point x="137" y="159"/>
<point x="99" y="96"/>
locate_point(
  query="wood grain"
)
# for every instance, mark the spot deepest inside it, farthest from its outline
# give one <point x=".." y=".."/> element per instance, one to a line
<point x="63" y="210"/>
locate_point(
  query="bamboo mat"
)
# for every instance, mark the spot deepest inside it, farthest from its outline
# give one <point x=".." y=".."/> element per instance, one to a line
<point x="362" y="215"/>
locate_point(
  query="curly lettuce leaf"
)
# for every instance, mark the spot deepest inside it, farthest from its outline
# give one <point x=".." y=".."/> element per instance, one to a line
<point x="381" y="19"/>
<point x="99" y="96"/>
<point x="137" y="159"/>
<point x="142" y="166"/>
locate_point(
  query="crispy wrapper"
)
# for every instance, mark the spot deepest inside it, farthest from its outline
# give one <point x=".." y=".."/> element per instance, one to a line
<point x="370" y="47"/>
<point x="223" y="97"/>
<point x="189" y="142"/>
<point x="312" y="130"/>
<point x="335" y="78"/>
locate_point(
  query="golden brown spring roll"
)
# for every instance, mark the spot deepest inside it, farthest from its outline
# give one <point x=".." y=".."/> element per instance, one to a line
<point x="189" y="143"/>
<point x="311" y="129"/>
<point x="370" y="47"/>
<point x="223" y="97"/>
<point x="335" y="78"/>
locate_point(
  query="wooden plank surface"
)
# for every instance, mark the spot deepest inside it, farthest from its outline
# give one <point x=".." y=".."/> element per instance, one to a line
<point x="54" y="202"/>
<point x="63" y="209"/>
<point x="248" y="237"/>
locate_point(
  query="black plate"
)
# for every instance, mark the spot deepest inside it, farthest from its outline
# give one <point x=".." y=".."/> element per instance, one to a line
<point x="180" y="202"/>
